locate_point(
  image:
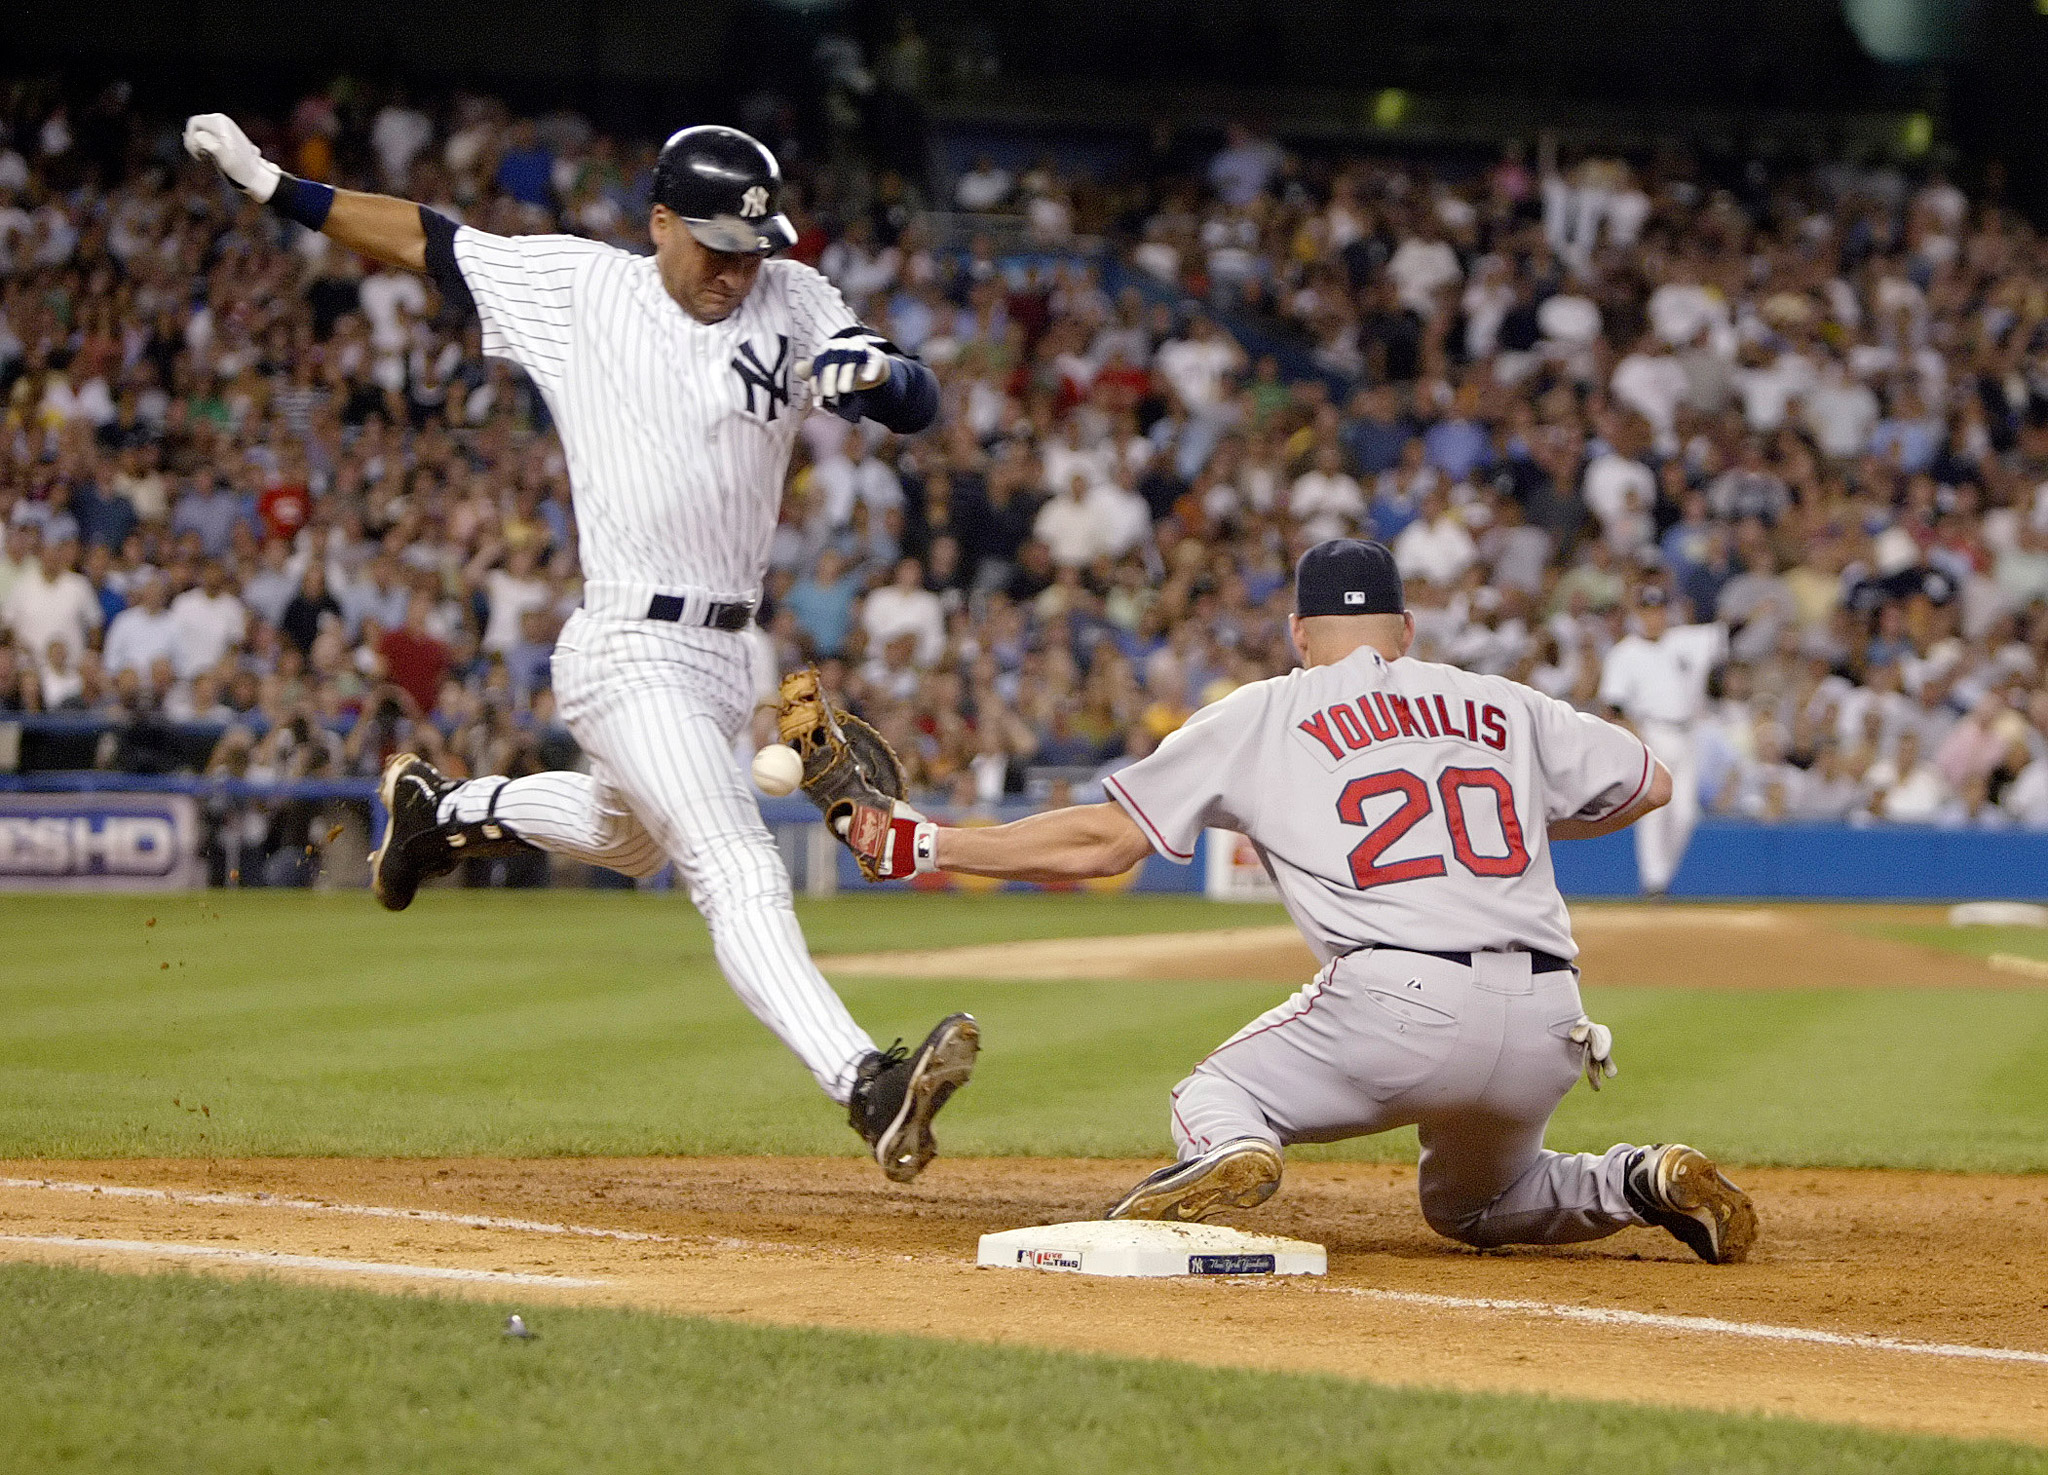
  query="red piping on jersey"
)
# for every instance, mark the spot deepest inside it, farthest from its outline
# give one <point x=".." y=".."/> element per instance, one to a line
<point x="1319" y="983"/>
<point x="1157" y="838"/>
<point x="1181" y="1122"/>
<point x="1641" y="786"/>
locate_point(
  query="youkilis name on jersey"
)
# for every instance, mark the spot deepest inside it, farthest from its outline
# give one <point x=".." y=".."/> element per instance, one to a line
<point x="1335" y="732"/>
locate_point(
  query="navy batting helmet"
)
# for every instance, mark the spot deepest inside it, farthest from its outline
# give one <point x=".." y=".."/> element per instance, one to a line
<point x="725" y="187"/>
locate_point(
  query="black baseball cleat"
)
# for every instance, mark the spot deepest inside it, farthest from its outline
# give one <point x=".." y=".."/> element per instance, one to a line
<point x="417" y="846"/>
<point x="1239" y="1174"/>
<point x="1681" y="1190"/>
<point x="897" y="1093"/>
<point x="414" y="847"/>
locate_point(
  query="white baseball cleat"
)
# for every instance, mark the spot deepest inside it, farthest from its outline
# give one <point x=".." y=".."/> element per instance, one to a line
<point x="1239" y="1174"/>
<point x="1682" y="1190"/>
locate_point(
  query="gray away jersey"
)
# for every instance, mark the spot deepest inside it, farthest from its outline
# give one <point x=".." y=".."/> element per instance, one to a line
<point x="678" y="433"/>
<point x="1399" y="803"/>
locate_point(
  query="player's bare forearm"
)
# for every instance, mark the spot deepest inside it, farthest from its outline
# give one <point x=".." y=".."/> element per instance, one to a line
<point x="1656" y="796"/>
<point x="1073" y="844"/>
<point x="382" y="227"/>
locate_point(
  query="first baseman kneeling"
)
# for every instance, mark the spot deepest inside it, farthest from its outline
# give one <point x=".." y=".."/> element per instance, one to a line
<point x="1404" y="809"/>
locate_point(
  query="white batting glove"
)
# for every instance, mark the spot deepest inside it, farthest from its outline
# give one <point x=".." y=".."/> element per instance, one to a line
<point x="1596" y="1044"/>
<point x="851" y="362"/>
<point x="220" y="141"/>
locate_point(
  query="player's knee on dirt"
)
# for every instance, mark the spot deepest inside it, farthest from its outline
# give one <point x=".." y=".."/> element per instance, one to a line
<point x="1455" y="1213"/>
<point x="1463" y="1223"/>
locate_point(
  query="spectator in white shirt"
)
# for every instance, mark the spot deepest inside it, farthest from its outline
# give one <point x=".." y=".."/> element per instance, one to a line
<point x="53" y="601"/>
<point x="1066" y="529"/>
<point x="1488" y="299"/>
<point x="1653" y="383"/>
<point x="1681" y="308"/>
<point x="984" y="187"/>
<point x="1619" y="489"/>
<point x="1326" y="500"/>
<point x="853" y="476"/>
<point x="63" y="682"/>
<point x="1066" y="458"/>
<point x="1198" y="365"/>
<point x="905" y="607"/>
<point x="397" y="136"/>
<point x="1085" y="523"/>
<point x="510" y="592"/>
<point x="1421" y="266"/>
<point x="390" y="300"/>
<point x="1435" y="547"/>
<point x="1122" y="516"/>
<point x="1841" y="412"/>
<point x="210" y="621"/>
<point x="144" y="630"/>
<point x="1768" y="385"/>
<point x="1909" y="788"/>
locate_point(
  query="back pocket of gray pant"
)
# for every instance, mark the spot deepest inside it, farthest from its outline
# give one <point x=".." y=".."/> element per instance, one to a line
<point x="1409" y="1006"/>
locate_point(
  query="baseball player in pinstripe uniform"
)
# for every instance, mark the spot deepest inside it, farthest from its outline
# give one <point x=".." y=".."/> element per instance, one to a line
<point x="678" y="381"/>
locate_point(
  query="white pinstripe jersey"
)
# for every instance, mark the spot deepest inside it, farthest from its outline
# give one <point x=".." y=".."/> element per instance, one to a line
<point x="678" y="433"/>
<point x="1401" y="803"/>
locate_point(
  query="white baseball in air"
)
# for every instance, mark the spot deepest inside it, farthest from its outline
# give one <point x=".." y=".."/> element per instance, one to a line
<point x="778" y="769"/>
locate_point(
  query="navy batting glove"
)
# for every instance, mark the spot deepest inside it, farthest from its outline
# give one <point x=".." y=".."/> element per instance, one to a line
<point x="856" y="359"/>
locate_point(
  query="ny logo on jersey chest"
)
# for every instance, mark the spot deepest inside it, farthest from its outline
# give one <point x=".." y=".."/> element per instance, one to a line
<point x="771" y="380"/>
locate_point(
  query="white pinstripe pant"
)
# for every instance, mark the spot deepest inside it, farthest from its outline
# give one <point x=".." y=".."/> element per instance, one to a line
<point x="657" y="707"/>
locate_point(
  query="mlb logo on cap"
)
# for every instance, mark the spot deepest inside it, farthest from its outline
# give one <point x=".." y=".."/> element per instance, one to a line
<point x="1347" y="576"/>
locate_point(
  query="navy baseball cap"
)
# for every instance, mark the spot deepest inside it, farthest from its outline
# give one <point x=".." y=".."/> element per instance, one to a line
<point x="1347" y="576"/>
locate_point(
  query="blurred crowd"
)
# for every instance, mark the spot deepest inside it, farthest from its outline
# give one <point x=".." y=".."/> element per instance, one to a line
<point x="251" y="482"/>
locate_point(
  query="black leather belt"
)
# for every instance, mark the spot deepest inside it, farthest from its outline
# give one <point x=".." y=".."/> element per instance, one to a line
<point x="717" y="617"/>
<point x="1539" y="961"/>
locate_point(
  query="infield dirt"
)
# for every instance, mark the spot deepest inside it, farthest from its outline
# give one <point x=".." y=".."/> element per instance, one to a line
<point x="1638" y="946"/>
<point x="793" y="1241"/>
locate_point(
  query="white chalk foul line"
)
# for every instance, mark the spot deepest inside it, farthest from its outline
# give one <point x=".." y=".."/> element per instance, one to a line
<point x="315" y="1206"/>
<point x="1593" y="1315"/>
<point x="278" y="1260"/>
<point x="1714" y="1325"/>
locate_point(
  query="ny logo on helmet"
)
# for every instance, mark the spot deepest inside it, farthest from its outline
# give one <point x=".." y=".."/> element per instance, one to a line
<point x="754" y="202"/>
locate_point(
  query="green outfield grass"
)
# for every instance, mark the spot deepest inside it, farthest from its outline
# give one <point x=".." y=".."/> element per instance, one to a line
<point x="580" y="1022"/>
<point x="176" y="1372"/>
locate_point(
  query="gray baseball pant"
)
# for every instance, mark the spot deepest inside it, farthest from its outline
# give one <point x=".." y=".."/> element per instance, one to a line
<point x="1476" y="1057"/>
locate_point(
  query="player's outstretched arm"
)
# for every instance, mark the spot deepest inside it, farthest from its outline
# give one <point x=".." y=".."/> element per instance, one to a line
<point x="390" y="230"/>
<point x="1656" y="796"/>
<point x="1073" y="844"/>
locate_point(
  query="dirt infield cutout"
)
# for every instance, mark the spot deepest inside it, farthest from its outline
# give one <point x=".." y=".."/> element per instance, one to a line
<point x="1621" y="946"/>
<point x="1857" y="1274"/>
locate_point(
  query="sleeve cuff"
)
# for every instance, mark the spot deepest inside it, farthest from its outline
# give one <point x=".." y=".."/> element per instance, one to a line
<point x="1130" y="806"/>
<point x="441" y="263"/>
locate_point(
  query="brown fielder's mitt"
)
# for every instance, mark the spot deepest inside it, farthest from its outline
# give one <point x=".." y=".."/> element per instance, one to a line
<point x="846" y="762"/>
